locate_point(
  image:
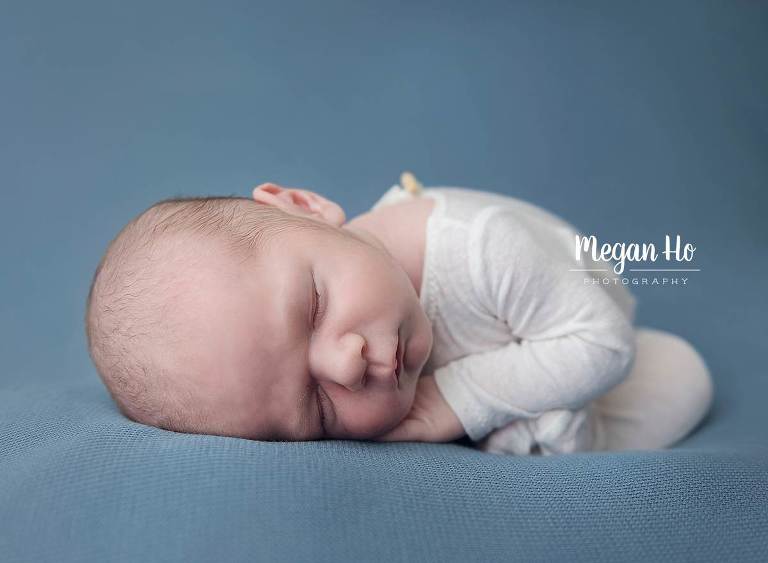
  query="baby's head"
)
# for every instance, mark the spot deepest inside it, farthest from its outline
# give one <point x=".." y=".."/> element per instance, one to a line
<point x="256" y="318"/>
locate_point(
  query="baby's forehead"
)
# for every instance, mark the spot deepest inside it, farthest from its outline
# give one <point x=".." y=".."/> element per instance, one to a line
<point x="218" y="261"/>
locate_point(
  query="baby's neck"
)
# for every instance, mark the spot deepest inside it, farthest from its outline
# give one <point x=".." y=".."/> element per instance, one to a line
<point x="400" y="229"/>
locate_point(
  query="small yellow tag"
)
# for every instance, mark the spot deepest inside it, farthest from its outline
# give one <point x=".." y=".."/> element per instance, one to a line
<point x="410" y="184"/>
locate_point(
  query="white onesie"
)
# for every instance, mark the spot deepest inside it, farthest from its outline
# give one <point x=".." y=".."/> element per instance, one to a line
<point x="518" y="334"/>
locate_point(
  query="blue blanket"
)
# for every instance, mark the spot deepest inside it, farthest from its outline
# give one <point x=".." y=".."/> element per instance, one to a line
<point x="630" y="120"/>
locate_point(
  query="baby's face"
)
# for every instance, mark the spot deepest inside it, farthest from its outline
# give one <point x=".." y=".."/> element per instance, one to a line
<point x="269" y="355"/>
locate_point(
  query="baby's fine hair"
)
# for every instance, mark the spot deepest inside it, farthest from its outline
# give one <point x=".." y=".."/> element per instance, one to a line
<point x="125" y="320"/>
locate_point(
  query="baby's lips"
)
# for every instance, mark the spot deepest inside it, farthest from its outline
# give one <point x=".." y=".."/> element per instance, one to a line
<point x="400" y="356"/>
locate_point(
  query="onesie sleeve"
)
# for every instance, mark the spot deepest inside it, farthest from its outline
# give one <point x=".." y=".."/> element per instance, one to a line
<point x="569" y="341"/>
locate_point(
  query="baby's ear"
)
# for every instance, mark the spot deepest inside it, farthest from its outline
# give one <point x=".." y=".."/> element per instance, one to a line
<point x="303" y="203"/>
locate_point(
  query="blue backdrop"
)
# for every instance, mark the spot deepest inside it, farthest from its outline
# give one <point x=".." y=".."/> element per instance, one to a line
<point x="630" y="120"/>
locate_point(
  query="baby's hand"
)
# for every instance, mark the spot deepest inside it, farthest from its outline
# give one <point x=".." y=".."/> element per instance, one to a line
<point x="430" y="419"/>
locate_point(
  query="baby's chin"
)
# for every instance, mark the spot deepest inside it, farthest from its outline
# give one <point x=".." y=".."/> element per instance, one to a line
<point x="394" y="421"/>
<point x="382" y="423"/>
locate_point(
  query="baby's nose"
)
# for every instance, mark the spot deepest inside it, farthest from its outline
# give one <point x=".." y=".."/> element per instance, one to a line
<point x="356" y="370"/>
<point x="380" y="373"/>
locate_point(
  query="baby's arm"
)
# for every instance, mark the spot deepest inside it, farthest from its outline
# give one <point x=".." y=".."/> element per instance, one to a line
<point x="569" y="341"/>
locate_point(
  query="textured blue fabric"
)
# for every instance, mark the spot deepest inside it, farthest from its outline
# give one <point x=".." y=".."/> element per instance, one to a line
<point x="631" y="120"/>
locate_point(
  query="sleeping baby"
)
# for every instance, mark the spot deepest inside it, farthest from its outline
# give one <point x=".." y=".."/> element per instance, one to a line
<point x="440" y="313"/>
